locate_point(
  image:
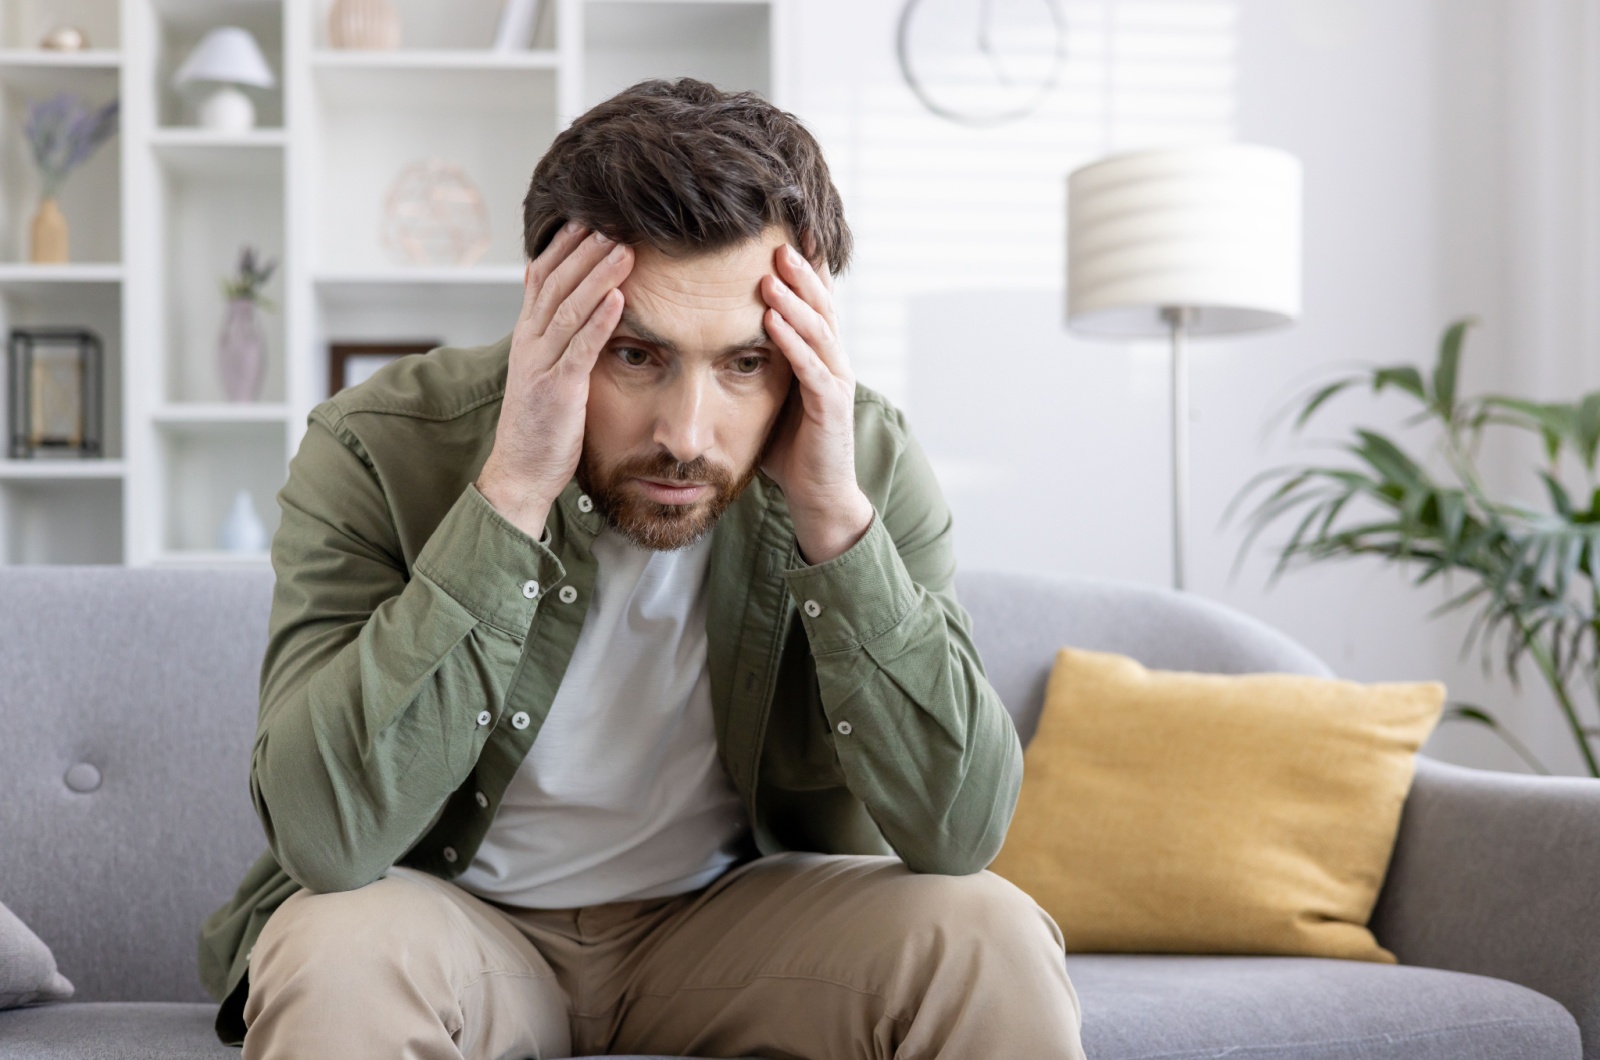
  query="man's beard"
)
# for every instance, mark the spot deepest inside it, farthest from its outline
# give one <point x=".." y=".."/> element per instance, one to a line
<point x="651" y="524"/>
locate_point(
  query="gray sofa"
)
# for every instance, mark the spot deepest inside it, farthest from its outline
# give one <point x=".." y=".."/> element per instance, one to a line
<point x="148" y="678"/>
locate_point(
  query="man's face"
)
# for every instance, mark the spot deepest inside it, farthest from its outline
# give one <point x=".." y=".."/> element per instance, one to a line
<point x="683" y="399"/>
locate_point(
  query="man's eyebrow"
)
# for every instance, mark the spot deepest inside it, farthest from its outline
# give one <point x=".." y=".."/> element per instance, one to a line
<point x="644" y="334"/>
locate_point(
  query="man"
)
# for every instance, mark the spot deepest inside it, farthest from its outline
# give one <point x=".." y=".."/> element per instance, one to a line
<point x="616" y="698"/>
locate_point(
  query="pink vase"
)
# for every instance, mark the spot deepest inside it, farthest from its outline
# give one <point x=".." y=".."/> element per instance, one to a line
<point x="241" y="351"/>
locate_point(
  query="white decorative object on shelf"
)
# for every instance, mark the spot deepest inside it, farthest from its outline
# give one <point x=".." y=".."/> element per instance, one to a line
<point x="242" y="530"/>
<point x="366" y="24"/>
<point x="517" y="21"/>
<point x="65" y="39"/>
<point x="229" y="57"/>
<point x="434" y="215"/>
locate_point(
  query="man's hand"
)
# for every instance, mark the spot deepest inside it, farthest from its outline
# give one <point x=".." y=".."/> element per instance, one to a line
<point x="813" y="461"/>
<point x="570" y="305"/>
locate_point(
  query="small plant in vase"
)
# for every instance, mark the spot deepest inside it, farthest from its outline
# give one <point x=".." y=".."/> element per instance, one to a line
<point x="62" y="132"/>
<point x="241" y="350"/>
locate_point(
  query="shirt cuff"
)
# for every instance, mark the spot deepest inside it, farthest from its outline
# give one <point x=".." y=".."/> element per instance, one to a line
<point x="858" y="595"/>
<point x="489" y="566"/>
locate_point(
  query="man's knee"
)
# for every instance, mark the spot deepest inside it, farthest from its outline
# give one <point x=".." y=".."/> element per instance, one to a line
<point x="980" y="909"/>
<point x="338" y="931"/>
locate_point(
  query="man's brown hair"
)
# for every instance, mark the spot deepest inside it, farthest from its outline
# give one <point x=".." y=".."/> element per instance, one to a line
<point x="687" y="168"/>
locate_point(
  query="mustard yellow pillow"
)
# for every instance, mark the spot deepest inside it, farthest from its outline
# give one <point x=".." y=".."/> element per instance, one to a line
<point x="1166" y="812"/>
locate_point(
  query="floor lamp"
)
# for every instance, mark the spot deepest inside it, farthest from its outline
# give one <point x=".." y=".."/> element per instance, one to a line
<point x="1183" y="243"/>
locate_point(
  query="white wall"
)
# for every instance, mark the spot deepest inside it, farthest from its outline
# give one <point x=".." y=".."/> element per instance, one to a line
<point x="1412" y="118"/>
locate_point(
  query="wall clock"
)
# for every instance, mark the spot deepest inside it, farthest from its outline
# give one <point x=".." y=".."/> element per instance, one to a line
<point x="982" y="62"/>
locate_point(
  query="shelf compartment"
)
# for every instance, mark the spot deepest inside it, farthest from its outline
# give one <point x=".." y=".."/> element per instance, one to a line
<point x="470" y="307"/>
<point x="373" y="123"/>
<point x="23" y="23"/>
<point x="91" y="199"/>
<point x="180" y="25"/>
<point x="428" y="25"/>
<point x="90" y="300"/>
<point x="213" y="201"/>
<point x="65" y="520"/>
<point x="204" y="465"/>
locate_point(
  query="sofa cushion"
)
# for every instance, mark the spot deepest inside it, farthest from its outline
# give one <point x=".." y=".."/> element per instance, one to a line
<point x="28" y="974"/>
<point x="1135" y="1007"/>
<point x="1166" y="811"/>
<point x="1140" y="1007"/>
<point x="123" y="1030"/>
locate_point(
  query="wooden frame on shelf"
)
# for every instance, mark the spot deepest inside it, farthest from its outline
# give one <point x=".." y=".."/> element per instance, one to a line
<point x="350" y="363"/>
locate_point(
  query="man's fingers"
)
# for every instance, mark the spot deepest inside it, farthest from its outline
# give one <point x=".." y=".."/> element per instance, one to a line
<point x="540" y="268"/>
<point x="814" y="375"/>
<point x="590" y="339"/>
<point x="808" y="283"/>
<point x="581" y="304"/>
<point x="589" y="252"/>
<point x="804" y="319"/>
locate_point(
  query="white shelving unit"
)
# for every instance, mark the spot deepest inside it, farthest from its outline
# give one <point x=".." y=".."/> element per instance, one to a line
<point x="159" y="214"/>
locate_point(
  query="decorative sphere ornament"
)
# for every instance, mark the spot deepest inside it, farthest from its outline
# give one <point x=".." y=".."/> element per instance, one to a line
<point x="434" y="215"/>
<point x="65" y="39"/>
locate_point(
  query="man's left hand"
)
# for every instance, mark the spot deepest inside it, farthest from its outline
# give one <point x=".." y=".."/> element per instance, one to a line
<point x="813" y="461"/>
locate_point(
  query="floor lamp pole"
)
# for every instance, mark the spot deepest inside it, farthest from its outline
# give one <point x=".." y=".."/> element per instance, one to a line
<point x="1178" y="319"/>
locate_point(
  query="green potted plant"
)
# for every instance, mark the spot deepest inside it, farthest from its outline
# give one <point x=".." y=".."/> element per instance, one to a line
<point x="1527" y="573"/>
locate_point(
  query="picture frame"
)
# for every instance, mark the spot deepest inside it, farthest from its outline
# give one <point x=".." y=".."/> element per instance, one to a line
<point x="55" y="382"/>
<point x="350" y="363"/>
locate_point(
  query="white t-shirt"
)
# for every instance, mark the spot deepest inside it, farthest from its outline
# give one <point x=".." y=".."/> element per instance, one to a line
<point x="622" y="795"/>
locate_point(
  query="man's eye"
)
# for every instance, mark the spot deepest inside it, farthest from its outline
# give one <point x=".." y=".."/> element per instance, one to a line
<point x="633" y="356"/>
<point x="749" y="364"/>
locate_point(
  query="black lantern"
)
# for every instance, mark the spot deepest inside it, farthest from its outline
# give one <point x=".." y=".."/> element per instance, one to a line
<point x="54" y="376"/>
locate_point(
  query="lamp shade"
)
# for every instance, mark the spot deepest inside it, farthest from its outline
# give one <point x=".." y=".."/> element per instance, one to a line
<point x="1213" y="229"/>
<point x="227" y="54"/>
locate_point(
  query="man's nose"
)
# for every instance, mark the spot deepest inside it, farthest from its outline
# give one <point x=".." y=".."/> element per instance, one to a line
<point x="683" y="418"/>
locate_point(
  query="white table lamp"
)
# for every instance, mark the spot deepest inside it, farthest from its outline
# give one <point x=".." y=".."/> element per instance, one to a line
<point x="1179" y="242"/>
<point x="229" y="57"/>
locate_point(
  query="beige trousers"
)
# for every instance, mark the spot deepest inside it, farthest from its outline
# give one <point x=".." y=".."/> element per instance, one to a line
<point x="798" y="955"/>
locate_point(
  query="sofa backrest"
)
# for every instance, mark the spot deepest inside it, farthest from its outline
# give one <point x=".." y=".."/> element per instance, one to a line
<point x="128" y="703"/>
<point x="1020" y="621"/>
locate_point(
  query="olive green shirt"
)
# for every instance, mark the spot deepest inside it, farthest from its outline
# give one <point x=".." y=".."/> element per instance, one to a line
<point x="417" y="638"/>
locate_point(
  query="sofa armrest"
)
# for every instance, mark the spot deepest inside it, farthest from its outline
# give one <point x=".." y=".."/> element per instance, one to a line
<point x="1499" y="874"/>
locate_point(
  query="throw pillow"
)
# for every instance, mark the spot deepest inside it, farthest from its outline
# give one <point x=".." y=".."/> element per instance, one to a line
<point x="28" y="973"/>
<point x="1167" y="812"/>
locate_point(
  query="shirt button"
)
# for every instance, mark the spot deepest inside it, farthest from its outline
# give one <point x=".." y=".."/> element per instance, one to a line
<point x="584" y="503"/>
<point x="483" y="800"/>
<point x="813" y="608"/>
<point x="484" y="717"/>
<point x="530" y="588"/>
<point x="450" y="854"/>
<point x="843" y="728"/>
<point x="567" y="594"/>
<point x="520" y="719"/>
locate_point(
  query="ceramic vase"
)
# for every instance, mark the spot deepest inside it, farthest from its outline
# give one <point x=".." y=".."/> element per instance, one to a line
<point x="48" y="242"/>
<point x="242" y="530"/>
<point x="241" y="351"/>
<point x="370" y="24"/>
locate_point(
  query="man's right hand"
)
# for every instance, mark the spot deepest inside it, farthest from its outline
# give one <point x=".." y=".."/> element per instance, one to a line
<point x="570" y="305"/>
